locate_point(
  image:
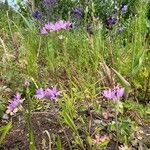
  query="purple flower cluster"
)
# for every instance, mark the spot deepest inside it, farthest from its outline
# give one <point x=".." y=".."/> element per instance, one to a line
<point x="47" y="93"/>
<point x="110" y="21"/>
<point x="14" y="103"/>
<point x="114" y="94"/>
<point x="59" y="25"/>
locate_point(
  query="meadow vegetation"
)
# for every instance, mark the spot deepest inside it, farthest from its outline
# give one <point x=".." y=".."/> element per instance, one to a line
<point x="75" y="75"/>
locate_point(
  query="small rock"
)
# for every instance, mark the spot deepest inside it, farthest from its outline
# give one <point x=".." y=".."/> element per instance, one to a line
<point x="5" y="117"/>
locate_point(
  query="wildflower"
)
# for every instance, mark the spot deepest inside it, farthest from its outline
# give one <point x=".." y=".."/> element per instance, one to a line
<point x="110" y="21"/>
<point x="44" y="31"/>
<point x="59" y="25"/>
<point x="49" y="26"/>
<point x="52" y="93"/>
<point x="120" y="29"/>
<point x="40" y="93"/>
<point x="37" y="15"/>
<point x="124" y="8"/>
<point x="119" y="92"/>
<point x="109" y="94"/>
<point x="13" y="104"/>
<point x="78" y="12"/>
<point x="47" y="93"/>
<point x="17" y="97"/>
<point x="62" y="25"/>
<point x="114" y="94"/>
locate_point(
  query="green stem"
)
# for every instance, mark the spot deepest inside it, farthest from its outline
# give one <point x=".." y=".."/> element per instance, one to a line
<point x="116" y="122"/>
<point x="147" y="88"/>
<point x="29" y="122"/>
<point x="33" y="5"/>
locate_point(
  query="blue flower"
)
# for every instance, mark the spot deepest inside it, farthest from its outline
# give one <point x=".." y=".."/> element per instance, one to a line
<point x="124" y="8"/>
<point x="37" y="15"/>
<point x="110" y="21"/>
<point x="120" y="29"/>
<point x="78" y="12"/>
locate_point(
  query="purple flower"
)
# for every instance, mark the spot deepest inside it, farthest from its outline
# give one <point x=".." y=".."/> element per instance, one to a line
<point x="14" y="103"/>
<point x="17" y="97"/>
<point x="113" y="94"/>
<point x="49" y="27"/>
<point x="40" y="93"/>
<point x="119" y="92"/>
<point x="48" y="93"/>
<point x="120" y="29"/>
<point x="59" y="25"/>
<point x="37" y="15"/>
<point x="78" y="12"/>
<point x="52" y="93"/>
<point x="109" y="94"/>
<point x="124" y="8"/>
<point x="62" y="25"/>
<point x="110" y="21"/>
<point x="44" y="31"/>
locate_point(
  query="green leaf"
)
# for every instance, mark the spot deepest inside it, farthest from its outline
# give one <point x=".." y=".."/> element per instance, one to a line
<point x="1" y="110"/>
<point x="5" y="130"/>
<point x="89" y="140"/>
<point x="120" y="107"/>
<point x="69" y="121"/>
<point x="103" y="144"/>
<point x="29" y="25"/>
<point x="138" y="62"/>
<point x="58" y="143"/>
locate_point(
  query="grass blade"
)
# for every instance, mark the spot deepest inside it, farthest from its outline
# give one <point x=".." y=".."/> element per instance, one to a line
<point x="5" y="131"/>
<point x="124" y="82"/>
<point x="69" y="121"/>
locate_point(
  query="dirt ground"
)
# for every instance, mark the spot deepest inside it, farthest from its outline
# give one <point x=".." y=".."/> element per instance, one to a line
<point x="17" y="138"/>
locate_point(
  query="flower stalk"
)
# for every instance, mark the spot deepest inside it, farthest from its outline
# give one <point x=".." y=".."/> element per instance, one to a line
<point x="29" y="122"/>
<point x="115" y="95"/>
<point x="116" y="123"/>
